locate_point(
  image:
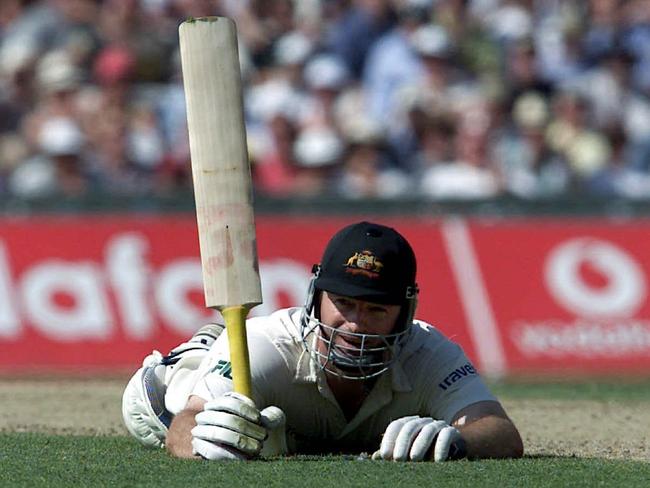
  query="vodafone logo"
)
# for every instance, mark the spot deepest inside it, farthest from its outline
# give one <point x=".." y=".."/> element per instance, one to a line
<point x="123" y="294"/>
<point x="594" y="278"/>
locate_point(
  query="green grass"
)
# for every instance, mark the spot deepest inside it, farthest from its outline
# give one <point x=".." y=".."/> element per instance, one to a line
<point x="39" y="460"/>
<point x="36" y="460"/>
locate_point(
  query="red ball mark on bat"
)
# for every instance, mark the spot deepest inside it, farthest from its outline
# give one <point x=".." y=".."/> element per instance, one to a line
<point x="224" y="256"/>
<point x="217" y="215"/>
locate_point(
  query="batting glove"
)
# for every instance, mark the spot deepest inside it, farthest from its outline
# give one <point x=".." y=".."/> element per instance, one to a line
<point x="232" y="428"/>
<point x="411" y="438"/>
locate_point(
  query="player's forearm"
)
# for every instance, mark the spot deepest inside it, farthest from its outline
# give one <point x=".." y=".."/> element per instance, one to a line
<point x="492" y="437"/>
<point x="179" y="436"/>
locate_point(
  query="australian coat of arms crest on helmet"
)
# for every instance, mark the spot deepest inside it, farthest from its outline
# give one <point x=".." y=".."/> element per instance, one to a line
<point x="365" y="263"/>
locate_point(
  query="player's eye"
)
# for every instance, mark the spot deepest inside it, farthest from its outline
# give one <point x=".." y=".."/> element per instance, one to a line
<point x="343" y="302"/>
<point x="378" y="310"/>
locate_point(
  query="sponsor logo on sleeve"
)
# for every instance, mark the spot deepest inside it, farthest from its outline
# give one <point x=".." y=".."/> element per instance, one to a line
<point x="223" y="368"/>
<point x="456" y="375"/>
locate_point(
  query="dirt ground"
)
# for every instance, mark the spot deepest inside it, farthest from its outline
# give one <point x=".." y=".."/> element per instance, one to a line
<point x="604" y="429"/>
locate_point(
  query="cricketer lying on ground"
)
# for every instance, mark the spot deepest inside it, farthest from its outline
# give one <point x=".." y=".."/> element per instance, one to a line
<point x="431" y="378"/>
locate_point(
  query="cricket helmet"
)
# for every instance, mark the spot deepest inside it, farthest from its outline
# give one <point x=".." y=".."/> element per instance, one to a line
<point x="369" y="262"/>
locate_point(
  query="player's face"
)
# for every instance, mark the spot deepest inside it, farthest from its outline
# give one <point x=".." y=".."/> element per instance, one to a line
<point x="356" y="339"/>
<point x="357" y="317"/>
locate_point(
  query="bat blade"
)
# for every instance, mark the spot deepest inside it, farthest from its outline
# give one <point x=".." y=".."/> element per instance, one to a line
<point x="221" y="178"/>
<point x="220" y="167"/>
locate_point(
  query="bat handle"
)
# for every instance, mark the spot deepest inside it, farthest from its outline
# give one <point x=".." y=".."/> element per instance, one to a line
<point x="235" y="318"/>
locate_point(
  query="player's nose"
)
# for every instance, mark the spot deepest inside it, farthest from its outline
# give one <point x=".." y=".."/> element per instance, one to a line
<point x="357" y="323"/>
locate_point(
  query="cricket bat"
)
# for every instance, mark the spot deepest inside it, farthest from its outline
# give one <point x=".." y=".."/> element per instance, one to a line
<point x="222" y="179"/>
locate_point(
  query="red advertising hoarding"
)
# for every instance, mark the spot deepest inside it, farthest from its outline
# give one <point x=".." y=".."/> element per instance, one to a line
<point x="568" y="296"/>
<point x="522" y="296"/>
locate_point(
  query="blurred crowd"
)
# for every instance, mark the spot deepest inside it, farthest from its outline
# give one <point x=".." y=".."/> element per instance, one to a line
<point x="439" y="99"/>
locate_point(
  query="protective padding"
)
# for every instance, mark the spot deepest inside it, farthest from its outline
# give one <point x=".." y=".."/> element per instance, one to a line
<point x="143" y="408"/>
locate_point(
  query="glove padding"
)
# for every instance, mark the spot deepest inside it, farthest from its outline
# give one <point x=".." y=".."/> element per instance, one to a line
<point x="411" y="438"/>
<point x="232" y="428"/>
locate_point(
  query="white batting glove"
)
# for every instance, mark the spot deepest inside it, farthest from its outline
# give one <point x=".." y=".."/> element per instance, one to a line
<point x="232" y="428"/>
<point x="411" y="438"/>
<point x="275" y="421"/>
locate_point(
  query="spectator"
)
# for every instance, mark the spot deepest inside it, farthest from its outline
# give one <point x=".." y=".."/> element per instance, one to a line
<point x="470" y="99"/>
<point x="325" y="77"/>
<point x="366" y="171"/>
<point x="522" y="73"/>
<point x="275" y="168"/>
<point x="356" y="30"/>
<point x="60" y="168"/>
<point x="318" y="153"/>
<point x="431" y="93"/>
<point x="290" y="53"/>
<point x="526" y="164"/>
<point x="470" y="174"/>
<point x="13" y="151"/>
<point x="570" y="135"/>
<point x="617" y="178"/>
<point x="391" y="64"/>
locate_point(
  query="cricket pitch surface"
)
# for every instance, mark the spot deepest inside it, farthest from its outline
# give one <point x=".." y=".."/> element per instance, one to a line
<point x="612" y="429"/>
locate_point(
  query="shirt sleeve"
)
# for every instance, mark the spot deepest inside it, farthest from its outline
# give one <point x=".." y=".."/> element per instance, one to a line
<point x="456" y="385"/>
<point x="215" y="371"/>
<point x="269" y="372"/>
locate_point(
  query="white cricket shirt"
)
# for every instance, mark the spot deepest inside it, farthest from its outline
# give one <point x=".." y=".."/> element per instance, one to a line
<point x="432" y="377"/>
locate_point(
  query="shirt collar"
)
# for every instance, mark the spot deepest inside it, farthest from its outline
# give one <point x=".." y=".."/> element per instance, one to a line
<point x="306" y="366"/>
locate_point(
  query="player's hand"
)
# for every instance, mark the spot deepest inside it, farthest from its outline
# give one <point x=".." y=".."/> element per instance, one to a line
<point x="413" y="438"/>
<point x="232" y="428"/>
